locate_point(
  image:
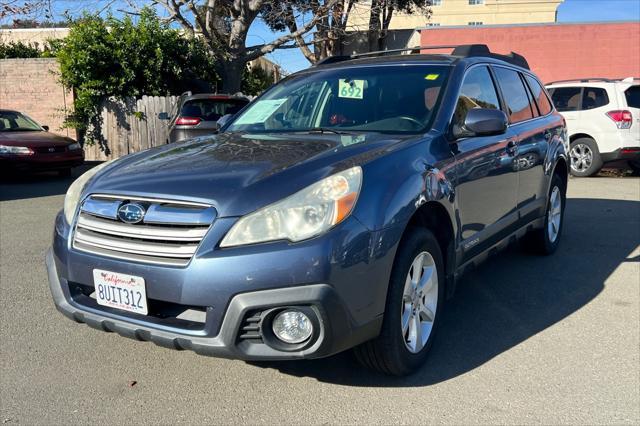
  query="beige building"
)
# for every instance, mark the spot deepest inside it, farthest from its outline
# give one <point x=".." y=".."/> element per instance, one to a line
<point x="466" y="12"/>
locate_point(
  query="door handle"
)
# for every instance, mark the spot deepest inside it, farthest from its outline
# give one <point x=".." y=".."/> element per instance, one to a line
<point x="512" y="147"/>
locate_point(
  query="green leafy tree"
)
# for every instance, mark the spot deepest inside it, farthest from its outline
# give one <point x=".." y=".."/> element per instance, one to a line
<point x="256" y="80"/>
<point x="103" y="58"/>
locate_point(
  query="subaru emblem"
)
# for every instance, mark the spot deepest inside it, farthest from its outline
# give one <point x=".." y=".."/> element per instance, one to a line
<point x="131" y="213"/>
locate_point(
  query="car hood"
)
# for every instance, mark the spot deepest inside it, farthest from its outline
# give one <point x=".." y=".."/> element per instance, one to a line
<point x="238" y="173"/>
<point x="33" y="139"/>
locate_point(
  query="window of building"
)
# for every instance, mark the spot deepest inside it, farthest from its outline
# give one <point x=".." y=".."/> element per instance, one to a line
<point x="433" y="24"/>
<point x="567" y="98"/>
<point x="475" y="23"/>
<point x="474" y="2"/>
<point x="544" y="106"/>
<point x="515" y="95"/>
<point x="477" y="91"/>
<point x="594" y="97"/>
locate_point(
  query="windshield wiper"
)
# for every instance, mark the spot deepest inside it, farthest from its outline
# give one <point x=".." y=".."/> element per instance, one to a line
<point x="328" y="130"/>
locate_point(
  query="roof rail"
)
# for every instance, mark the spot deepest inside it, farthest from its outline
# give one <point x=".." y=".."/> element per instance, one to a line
<point x="583" y="80"/>
<point x="464" y="50"/>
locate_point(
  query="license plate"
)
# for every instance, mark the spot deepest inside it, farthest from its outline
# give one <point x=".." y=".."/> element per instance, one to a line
<point x="120" y="291"/>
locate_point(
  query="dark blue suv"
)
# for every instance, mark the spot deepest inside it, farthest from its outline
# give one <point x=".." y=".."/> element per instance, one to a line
<point x="336" y="211"/>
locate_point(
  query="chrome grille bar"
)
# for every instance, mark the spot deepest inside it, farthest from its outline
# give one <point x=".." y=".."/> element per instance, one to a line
<point x="138" y="247"/>
<point x="113" y="227"/>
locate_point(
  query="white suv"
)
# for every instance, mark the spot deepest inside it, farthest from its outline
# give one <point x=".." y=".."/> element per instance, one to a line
<point x="603" y="121"/>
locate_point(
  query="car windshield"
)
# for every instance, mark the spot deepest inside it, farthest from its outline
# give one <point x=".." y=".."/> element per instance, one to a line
<point x="390" y="99"/>
<point x="211" y="109"/>
<point x="11" y="121"/>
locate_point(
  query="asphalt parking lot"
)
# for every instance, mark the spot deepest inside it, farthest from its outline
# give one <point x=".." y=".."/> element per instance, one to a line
<point x="526" y="340"/>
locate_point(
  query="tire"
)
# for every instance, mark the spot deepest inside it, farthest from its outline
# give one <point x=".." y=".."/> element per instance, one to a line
<point x="545" y="241"/>
<point x="585" y="157"/>
<point x="64" y="173"/>
<point x="394" y="351"/>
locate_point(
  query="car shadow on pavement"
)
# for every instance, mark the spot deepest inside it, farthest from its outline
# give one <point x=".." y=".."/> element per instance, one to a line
<point x="16" y="186"/>
<point x="508" y="299"/>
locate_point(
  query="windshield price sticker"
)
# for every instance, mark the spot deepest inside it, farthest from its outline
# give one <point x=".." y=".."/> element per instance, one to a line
<point x="261" y="111"/>
<point x="351" y="89"/>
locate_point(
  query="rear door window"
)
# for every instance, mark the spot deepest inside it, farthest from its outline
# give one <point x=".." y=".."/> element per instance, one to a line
<point x="515" y="95"/>
<point x="211" y="109"/>
<point x="567" y="98"/>
<point x="633" y="96"/>
<point x="539" y="95"/>
<point x="594" y="97"/>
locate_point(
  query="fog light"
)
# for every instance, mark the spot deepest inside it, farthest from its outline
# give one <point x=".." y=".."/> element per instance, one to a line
<point x="292" y="326"/>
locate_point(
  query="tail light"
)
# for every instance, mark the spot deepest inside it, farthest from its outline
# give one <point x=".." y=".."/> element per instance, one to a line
<point x="187" y="121"/>
<point x="622" y="118"/>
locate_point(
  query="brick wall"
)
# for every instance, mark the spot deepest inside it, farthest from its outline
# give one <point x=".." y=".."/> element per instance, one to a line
<point x="31" y="86"/>
<point x="556" y="51"/>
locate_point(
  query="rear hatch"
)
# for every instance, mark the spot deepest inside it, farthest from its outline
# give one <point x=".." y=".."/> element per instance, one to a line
<point x="199" y="116"/>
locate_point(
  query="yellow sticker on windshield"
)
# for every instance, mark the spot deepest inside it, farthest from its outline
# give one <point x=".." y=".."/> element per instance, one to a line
<point x="431" y="76"/>
<point x="351" y="89"/>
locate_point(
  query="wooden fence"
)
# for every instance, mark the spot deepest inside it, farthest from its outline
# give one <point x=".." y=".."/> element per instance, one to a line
<point x="130" y="126"/>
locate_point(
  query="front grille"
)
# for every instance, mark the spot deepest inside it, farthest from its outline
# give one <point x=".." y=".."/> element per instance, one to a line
<point x="250" y="328"/>
<point x="169" y="233"/>
<point x="50" y="149"/>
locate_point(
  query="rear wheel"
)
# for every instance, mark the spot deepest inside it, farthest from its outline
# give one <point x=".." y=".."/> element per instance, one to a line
<point x="414" y="304"/>
<point x="545" y="241"/>
<point x="585" y="157"/>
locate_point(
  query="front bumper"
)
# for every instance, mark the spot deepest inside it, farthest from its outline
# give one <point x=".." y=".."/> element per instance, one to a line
<point x="38" y="163"/>
<point x="335" y="277"/>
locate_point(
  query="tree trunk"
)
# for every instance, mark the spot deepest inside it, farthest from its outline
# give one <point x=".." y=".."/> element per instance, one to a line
<point x="231" y="74"/>
<point x="374" y="26"/>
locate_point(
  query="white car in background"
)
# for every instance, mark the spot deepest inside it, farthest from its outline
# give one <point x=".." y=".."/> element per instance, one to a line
<point x="603" y="121"/>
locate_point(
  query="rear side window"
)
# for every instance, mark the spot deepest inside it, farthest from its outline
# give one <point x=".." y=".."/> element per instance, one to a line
<point x="210" y="109"/>
<point x="477" y="91"/>
<point x="515" y="95"/>
<point x="633" y="96"/>
<point x="566" y="98"/>
<point x="539" y="95"/>
<point x="594" y="97"/>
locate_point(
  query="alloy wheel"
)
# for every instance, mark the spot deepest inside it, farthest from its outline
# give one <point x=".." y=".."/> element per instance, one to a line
<point x="581" y="157"/>
<point x="554" y="214"/>
<point x="419" y="302"/>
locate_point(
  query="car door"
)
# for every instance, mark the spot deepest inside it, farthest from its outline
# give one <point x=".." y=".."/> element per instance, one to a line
<point x="487" y="179"/>
<point x="534" y="128"/>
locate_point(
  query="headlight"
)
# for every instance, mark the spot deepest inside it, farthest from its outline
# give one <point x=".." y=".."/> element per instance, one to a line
<point x="74" y="146"/>
<point x="15" y="150"/>
<point x="75" y="190"/>
<point x="305" y="214"/>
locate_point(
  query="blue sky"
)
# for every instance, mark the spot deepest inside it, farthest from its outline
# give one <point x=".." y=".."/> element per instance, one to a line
<point x="292" y="60"/>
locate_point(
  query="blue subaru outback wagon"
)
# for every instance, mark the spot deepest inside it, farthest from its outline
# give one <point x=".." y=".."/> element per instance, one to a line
<point x="336" y="211"/>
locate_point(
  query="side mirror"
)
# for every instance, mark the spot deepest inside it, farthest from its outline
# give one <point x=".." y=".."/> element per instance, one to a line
<point x="46" y="128"/>
<point x="482" y="122"/>
<point x="163" y="116"/>
<point x="224" y="120"/>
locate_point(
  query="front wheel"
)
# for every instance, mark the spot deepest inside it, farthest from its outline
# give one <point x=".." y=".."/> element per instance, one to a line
<point x="413" y="310"/>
